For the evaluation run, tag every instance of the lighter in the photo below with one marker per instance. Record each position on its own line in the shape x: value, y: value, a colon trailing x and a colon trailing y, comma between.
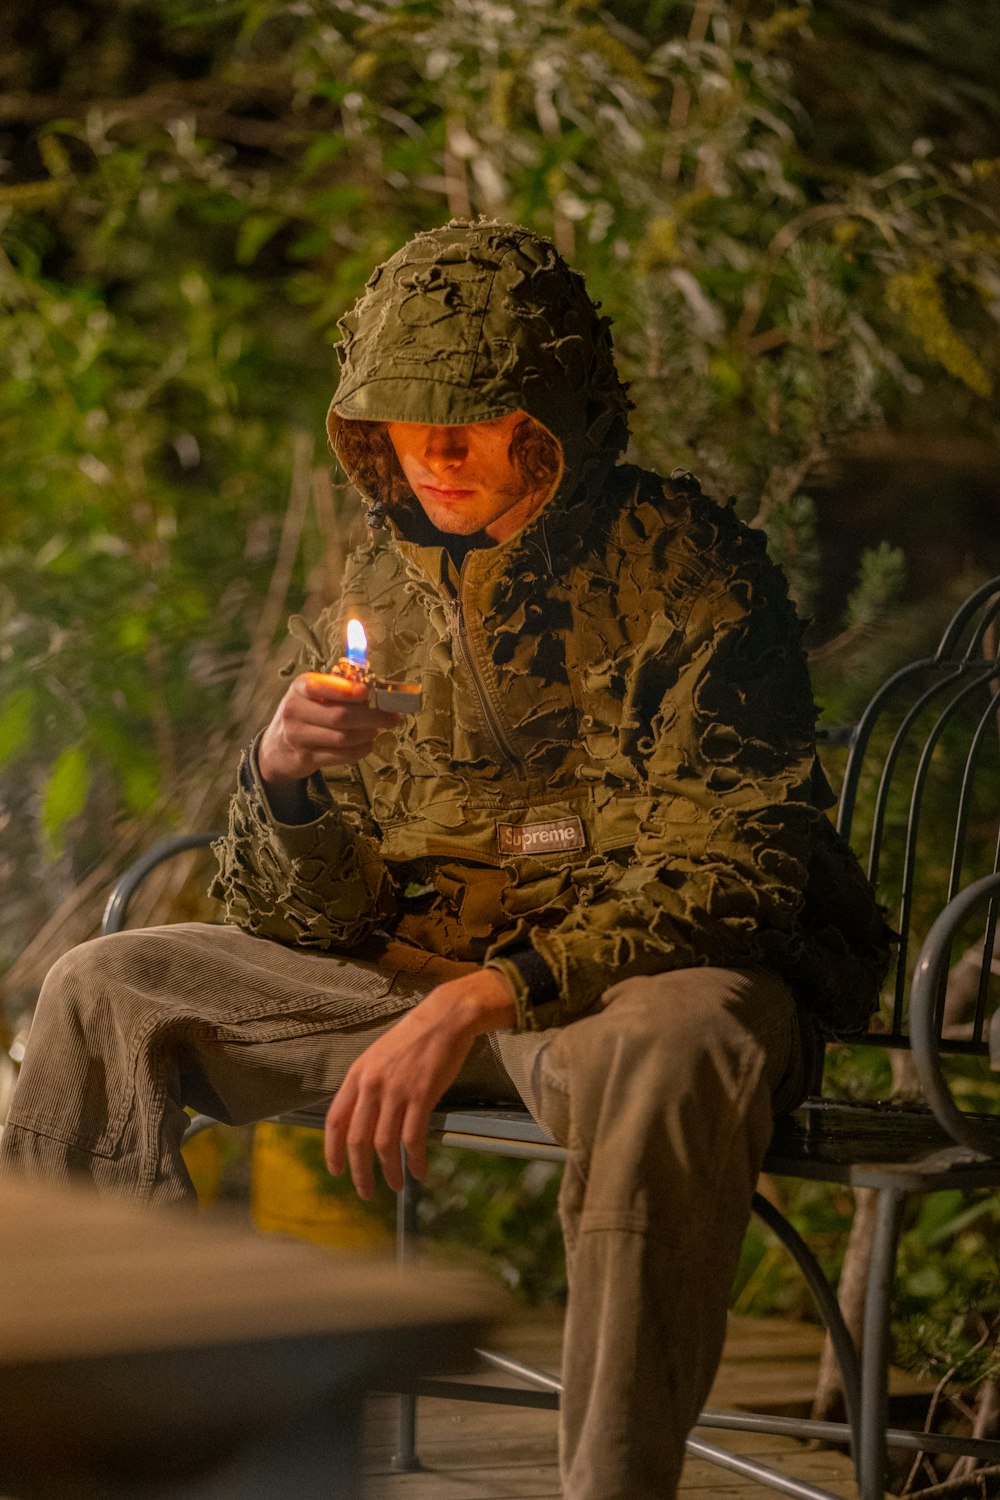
x: 391, y: 697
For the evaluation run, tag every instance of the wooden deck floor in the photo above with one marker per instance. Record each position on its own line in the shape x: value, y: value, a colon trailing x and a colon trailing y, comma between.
x: 473, y: 1451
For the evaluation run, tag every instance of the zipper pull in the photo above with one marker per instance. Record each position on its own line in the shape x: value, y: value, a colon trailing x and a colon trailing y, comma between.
x: 456, y: 620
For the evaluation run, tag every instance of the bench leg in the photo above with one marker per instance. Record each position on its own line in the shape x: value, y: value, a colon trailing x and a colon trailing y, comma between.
x: 405, y: 1455
x: 829, y: 1309
x: 871, y: 1457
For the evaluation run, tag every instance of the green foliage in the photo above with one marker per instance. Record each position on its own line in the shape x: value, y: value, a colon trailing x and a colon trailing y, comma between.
x: 500, y: 1211
x: 948, y: 1291
x: 790, y: 211
x: 918, y: 298
x: 880, y: 584
x: 794, y: 545
x: 65, y: 795
x: 16, y: 712
x: 175, y: 257
x: 507, y: 1209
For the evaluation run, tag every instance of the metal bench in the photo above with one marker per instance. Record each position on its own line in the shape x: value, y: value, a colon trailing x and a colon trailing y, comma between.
x: 919, y: 802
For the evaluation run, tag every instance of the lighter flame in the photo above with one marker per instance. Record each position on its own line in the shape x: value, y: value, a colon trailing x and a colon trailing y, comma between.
x: 357, y: 644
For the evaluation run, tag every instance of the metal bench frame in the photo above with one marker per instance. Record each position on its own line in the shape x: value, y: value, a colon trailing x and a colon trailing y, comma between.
x: 897, y: 1151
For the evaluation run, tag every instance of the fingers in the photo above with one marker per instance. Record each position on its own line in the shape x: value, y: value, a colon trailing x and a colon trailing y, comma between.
x: 413, y: 1135
x: 320, y: 723
x: 364, y: 1122
x: 348, y: 1137
x: 330, y: 687
x: 359, y: 1146
x: 385, y: 1101
x: 330, y: 746
x: 335, y: 1132
x: 361, y: 1122
x: 335, y: 700
x: 322, y: 720
x: 374, y: 1125
x: 387, y: 1142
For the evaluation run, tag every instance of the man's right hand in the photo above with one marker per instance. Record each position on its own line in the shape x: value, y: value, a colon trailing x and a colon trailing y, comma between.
x: 323, y: 720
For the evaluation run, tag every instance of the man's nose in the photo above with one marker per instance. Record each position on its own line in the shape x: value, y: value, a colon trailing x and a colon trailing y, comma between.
x: 445, y: 446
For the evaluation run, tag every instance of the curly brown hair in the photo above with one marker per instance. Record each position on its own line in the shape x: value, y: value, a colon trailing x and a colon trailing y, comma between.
x: 366, y: 452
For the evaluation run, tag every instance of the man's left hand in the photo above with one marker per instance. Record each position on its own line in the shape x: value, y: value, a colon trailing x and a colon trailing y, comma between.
x: 386, y: 1099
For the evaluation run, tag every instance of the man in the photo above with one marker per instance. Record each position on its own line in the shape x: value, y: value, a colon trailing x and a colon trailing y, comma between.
x: 593, y: 870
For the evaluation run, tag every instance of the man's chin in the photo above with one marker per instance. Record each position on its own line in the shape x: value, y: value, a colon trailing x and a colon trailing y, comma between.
x: 452, y: 522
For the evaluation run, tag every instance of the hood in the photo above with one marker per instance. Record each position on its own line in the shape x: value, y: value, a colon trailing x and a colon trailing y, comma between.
x: 470, y: 322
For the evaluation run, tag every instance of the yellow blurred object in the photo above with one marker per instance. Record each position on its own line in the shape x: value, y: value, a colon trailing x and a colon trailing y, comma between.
x: 203, y: 1157
x: 289, y: 1193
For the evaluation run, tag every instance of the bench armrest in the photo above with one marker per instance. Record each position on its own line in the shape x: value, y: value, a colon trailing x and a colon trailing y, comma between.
x: 116, y: 911
x: 929, y: 977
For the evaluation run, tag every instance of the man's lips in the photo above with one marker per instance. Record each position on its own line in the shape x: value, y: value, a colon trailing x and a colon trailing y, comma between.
x: 447, y: 493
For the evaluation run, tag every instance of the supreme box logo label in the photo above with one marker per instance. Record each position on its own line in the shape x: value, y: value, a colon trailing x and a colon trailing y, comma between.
x: 540, y: 838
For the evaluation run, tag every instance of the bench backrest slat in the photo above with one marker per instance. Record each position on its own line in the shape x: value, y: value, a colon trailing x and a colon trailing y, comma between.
x: 921, y: 795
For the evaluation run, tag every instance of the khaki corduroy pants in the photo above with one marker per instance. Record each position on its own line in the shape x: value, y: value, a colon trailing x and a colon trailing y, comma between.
x: 664, y: 1096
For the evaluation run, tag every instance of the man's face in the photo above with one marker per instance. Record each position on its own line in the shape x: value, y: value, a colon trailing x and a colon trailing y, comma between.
x: 463, y: 476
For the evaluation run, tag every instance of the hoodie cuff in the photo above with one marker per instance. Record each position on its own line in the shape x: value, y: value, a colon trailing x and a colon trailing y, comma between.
x: 534, y: 984
x: 316, y: 794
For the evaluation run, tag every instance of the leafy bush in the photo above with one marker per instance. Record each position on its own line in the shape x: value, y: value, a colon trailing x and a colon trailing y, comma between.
x: 790, y: 212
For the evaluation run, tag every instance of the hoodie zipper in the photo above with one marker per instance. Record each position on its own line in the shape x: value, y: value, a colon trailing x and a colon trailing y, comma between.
x: 490, y: 711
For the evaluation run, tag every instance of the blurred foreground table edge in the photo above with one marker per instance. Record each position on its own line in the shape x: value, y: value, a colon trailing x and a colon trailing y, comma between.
x: 147, y: 1353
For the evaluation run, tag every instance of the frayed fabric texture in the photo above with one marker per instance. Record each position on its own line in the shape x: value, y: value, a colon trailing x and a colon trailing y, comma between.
x: 650, y: 684
x: 627, y: 665
x: 471, y: 321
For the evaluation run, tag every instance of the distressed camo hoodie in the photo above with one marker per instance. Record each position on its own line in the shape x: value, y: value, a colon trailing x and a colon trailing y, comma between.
x: 613, y: 771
